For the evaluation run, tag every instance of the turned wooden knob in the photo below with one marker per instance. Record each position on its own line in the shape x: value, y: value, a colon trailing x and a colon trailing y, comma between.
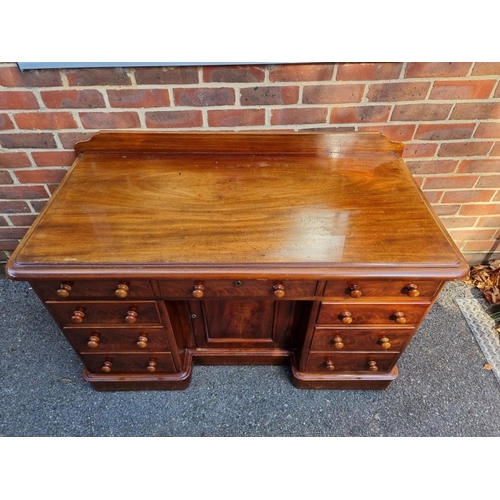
x: 131, y: 316
x: 329, y: 365
x: 198, y: 291
x: 78, y: 315
x: 279, y: 291
x: 385, y: 343
x: 354, y: 291
x: 346, y: 317
x: 93, y: 340
x: 121, y: 290
x: 337, y: 341
x: 412, y: 290
x: 372, y: 366
x: 151, y: 366
x: 106, y: 367
x: 142, y: 342
x: 64, y: 290
x: 399, y: 318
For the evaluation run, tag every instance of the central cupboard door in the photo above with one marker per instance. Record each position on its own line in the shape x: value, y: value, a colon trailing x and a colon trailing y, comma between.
x: 242, y: 323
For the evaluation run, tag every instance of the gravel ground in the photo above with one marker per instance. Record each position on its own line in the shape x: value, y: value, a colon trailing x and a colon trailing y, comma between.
x: 442, y: 390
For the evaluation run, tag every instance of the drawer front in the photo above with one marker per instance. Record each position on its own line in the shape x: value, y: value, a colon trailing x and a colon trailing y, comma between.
x: 104, y: 313
x: 392, y: 289
x: 112, y: 289
x: 328, y: 362
x: 348, y: 313
x: 129, y: 363
x: 348, y: 339
x: 237, y: 288
x: 118, y: 339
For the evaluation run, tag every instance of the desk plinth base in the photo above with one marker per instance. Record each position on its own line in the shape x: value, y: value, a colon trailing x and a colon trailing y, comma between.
x: 358, y: 381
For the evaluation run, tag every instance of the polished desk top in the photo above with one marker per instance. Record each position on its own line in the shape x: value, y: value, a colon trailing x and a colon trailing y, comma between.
x: 295, y: 203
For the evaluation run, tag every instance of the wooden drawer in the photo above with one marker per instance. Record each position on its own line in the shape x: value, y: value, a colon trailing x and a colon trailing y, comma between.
x: 104, y: 313
x: 348, y: 313
x: 368, y: 339
x: 237, y: 288
x: 129, y: 363
x: 329, y: 362
x: 116, y: 289
x: 391, y: 289
x: 118, y: 339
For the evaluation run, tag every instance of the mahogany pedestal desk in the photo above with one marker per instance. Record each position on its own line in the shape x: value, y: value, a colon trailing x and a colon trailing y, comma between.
x: 160, y: 250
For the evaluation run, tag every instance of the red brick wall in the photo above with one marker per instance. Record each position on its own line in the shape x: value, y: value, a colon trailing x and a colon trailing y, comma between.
x: 446, y: 114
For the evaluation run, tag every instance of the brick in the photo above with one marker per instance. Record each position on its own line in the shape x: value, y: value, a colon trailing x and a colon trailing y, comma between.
x: 301, y: 72
x: 18, y: 99
x: 75, y: 98
x: 14, y: 160
x: 236, y: 117
x: 476, y: 111
x: 473, y: 166
x: 292, y: 116
x: 5, y: 177
x: 261, y: 96
x: 369, y: 71
x: 495, y: 151
x: 397, y: 91
x: 450, y: 181
x: 467, y: 148
x: 431, y: 166
x: 52, y: 188
x: 138, y: 98
x: 433, y: 196
x: 497, y: 91
x: 444, y: 131
x: 45, y: 121
x: 488, y: 130
x: 40, y: 175
x: 119, y: 119
x: 69, y: 139
x: 436, y: 69
x: 468, y: 196
x: 489, y: 181
x: 4, y: 256
x: 468, y: 89
x: 28, y: 140
x: 12, y: 76
x: 360, y: 114
x: 472, y: 234
x: 9, y: 244
x: 166, y: 75
x: 12, y: 232
x: 458, y: 222
x: 480, y: 246
x: 98, y: 76
x: 22, y: 192
x: 22, y: 220
x: 489, y: 222
x: 174, y: 119
x: 443, y: 210
x: 14, y: 207
x: 54, y: 158
x: 497, y: 197
x: 331, y: 94
x: 480, y: 209
x: 420, y: 112
x: 5, y: 122
x: 486, y: 68
x: 234, y: 74
x: 419, y: 181
x: 419, y: 149
x: 3, y: 221
x: 392, y: 132
x: 204, y: 97
x: 38, y: 205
